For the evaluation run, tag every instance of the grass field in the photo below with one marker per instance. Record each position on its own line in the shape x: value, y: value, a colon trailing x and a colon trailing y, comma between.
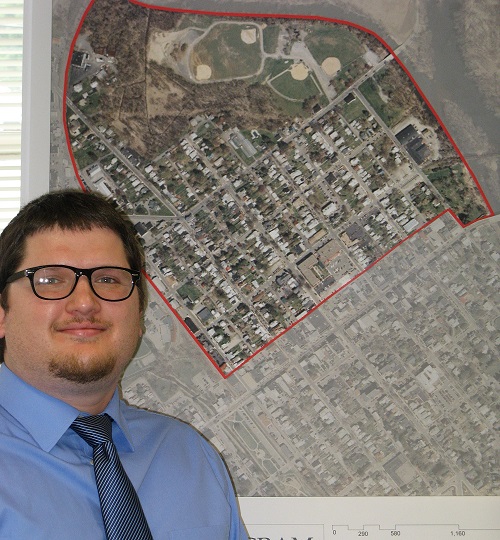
x: 324, y: 40
x: 195, y: 21
x: 273, y: 67
x: 353, y: 110
x: 390, y: 114
x: 298, y: 90
x: 188, y: 290
x: 227, y: 55
x: 270, y: 38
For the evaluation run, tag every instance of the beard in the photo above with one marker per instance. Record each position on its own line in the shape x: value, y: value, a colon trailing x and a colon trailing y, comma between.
x: 73, y: 369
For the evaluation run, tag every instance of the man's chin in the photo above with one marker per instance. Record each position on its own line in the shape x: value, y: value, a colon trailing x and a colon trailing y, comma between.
x: 75, y: 370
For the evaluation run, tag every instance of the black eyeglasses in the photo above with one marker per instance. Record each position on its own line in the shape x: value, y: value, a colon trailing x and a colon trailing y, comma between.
x: 58, y: 281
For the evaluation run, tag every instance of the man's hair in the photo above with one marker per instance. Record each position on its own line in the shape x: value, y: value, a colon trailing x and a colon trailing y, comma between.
x: 68, y: 210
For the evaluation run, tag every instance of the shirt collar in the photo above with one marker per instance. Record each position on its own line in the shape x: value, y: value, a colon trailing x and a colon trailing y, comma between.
x: 47, y: 418
x: 121, y: 436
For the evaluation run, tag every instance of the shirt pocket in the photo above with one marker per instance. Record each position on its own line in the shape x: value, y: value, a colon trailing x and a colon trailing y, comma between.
x: 214, y: 532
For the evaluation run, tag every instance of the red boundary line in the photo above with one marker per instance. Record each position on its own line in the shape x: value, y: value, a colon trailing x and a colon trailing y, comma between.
x: 278, y: 16
x: 65, y: 91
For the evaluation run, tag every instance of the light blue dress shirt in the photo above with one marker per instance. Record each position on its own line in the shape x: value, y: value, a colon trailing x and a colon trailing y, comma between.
x: 47, y: 483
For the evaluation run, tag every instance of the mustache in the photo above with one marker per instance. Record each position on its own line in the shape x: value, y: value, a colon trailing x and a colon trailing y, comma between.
x: 77, y: 321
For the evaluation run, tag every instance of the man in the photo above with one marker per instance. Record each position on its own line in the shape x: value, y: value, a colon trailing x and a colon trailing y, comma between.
x: 71, y: 306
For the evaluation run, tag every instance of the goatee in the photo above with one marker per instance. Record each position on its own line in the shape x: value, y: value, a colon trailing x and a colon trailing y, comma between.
x: 73, y: 369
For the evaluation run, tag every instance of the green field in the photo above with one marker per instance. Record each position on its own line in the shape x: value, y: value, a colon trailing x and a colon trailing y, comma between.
x: 297, y: 90
x: 227, y: 55
x: 325, y: 40
x: 194, y: 21
x: 86, y: 156
x: 273, y: 68
x: 352, y: 111
x: 301, y: 90
x: 289, y: 108
x: 270, y: 37
x: 188, y: 290
x: 389, y: 113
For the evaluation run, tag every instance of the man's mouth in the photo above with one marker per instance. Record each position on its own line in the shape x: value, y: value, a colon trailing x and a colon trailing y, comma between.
x: 81, y: 328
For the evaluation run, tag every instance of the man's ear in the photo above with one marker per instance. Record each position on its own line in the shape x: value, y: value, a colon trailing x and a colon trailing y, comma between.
x: 2, y: 319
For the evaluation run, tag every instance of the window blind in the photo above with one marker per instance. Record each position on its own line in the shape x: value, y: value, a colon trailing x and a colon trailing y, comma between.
x: 11, y: 54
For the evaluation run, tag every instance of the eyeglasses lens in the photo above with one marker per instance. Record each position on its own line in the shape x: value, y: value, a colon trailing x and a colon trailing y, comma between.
x: 56, y: 282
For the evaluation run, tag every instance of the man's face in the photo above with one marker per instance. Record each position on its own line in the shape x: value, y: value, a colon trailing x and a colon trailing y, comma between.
x: 79, y: 339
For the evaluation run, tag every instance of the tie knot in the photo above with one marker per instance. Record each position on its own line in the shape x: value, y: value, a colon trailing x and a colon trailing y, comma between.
x: 94, y: 430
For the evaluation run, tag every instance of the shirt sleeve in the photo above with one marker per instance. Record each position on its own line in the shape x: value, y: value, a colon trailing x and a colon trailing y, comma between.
x: 237, y: 529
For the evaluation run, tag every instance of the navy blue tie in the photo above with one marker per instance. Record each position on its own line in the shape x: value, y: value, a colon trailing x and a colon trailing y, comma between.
x: 120, y: 506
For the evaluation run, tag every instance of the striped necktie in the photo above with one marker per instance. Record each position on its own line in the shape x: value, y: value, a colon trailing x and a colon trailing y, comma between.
x: 120, y: 506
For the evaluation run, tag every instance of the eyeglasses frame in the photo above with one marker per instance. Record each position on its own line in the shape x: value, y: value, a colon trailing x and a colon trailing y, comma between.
x: 79, y: 272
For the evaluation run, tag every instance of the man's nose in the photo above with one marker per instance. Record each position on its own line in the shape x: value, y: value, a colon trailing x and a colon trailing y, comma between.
x: 83, y: 298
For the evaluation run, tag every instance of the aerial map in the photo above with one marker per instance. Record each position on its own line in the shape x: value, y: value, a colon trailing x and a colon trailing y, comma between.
x: 322, y: 255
